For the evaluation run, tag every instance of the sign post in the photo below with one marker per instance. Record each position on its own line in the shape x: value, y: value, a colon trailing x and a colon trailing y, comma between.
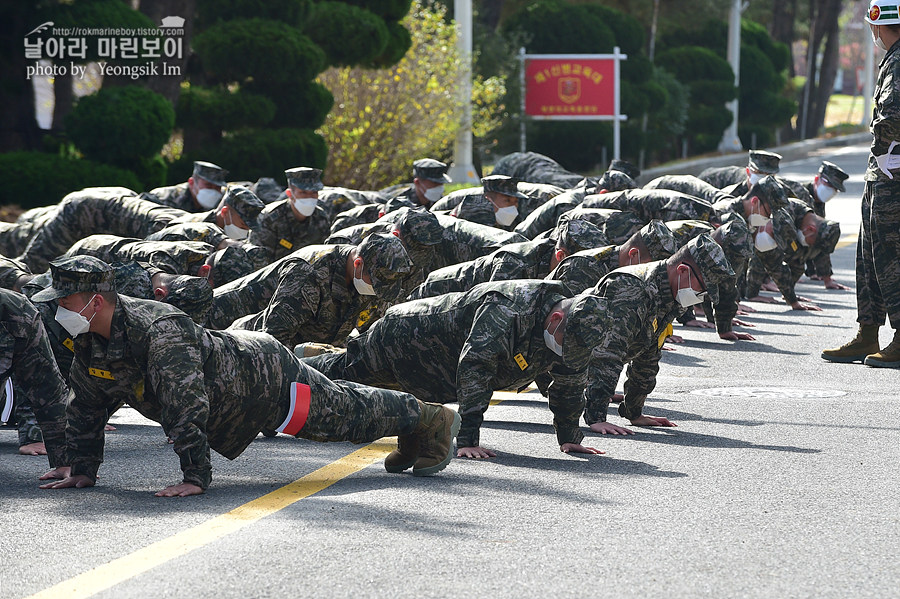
x: 572, y: 87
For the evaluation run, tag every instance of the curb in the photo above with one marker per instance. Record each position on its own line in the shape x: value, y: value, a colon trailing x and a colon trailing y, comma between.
x: 790, y: 151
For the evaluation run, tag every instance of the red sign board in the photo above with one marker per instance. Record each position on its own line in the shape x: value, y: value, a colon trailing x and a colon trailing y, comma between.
x: 570, y: 87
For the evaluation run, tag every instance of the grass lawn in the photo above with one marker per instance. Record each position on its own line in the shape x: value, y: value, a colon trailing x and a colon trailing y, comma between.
x: 843, y: 109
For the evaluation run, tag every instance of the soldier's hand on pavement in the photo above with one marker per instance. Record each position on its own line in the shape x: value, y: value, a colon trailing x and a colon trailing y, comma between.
x: 607, y: 428
x: 700, y: 324
x: 33, y: 449
x: 763, y: 299
x: 740, y: 323
x: 79, y: 481
x: 809, y: 307
x: 58, y: 473
x: 180, y: 490
x: 652, y: 421
x: 832, y: 284
x: 769, y: 286
x: 674, y: 339
x: 108, y: 428
x: 732, y: 336
x: 476, y: 452
x: 576, y: 448
x: 617, y: 398
x: 800, y: 298
x: 744, y: 310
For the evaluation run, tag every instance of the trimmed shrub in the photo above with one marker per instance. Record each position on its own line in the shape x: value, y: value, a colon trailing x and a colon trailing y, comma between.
x: 399, y: 43
x: 348, y: 34
x: 205, y: 108
x: 35, y: 179
x: 290, y: 12
x: 121, y: 125
x: 389, y: 10
x: 242, y: 49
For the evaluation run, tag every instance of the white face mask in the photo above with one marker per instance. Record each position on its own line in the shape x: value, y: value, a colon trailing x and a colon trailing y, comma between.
x: 754, y: 177
x: 757, y: 219
x: 74, y: 322
x: 235, y: 232
x: 764, y: 242
x: 506, y: 216
x: 686, y: 296
x: 209, y: 198
x: 825, y: 192
x: 362, y: 287
x: 801, y: 239
x: 433, y: 194
x: 551, y: 342
x: 306, y: 206
x: 878, y: 41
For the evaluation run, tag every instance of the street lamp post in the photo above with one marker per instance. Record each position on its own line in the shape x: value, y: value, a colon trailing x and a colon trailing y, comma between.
x: 730, y: 140
x: 463, y: 170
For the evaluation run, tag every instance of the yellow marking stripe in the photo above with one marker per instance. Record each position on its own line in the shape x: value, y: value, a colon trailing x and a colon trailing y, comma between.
x: 128, y: 566
x: 847, y: 240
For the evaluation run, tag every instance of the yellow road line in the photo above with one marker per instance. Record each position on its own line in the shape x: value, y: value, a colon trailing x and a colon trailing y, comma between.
x: 128, y: 566
x: 847, y: 240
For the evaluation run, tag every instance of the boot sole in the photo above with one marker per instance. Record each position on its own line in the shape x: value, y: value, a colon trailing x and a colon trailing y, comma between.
x: 844, y: 359
x: 400, y: 467
x: 876, y: 363
x: 454, y: 429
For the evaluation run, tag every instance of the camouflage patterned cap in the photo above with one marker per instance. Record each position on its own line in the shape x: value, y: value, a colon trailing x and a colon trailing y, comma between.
x: 208, y: 171
x: 502, y: 184
x: 736, y: 240
x: 77, y: 274
x: 575, y: 235
x: 624, y: 166
x: 833, y: 175
x: 714, y: 267
x: 770, y: 191
x: 191, y: 295
x: 431, y: 170
x: 685, y: 230
x: 621, y: 225
x: 829, y: 235
x: 267, y: 189
x: 659, y: 239
x: 585, y: 327
x: 229, y: 264
x: 615, y: 181
x: 305, y: 178
x: 418, y: 226
x: 133, y: 279
x: 784, y: 231
x: 386, y: 261
x: 245, y: 203
x: 477, y: 209
x: 764, y: 162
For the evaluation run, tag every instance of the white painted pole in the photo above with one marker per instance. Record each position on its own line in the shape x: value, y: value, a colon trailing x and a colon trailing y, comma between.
x: 730, y: 140
x: 463, y: 170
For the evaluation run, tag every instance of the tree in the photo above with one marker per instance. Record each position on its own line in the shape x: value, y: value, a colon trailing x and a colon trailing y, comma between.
x: 252, y: 103
x: 383, y: 120
x: 824, y: 39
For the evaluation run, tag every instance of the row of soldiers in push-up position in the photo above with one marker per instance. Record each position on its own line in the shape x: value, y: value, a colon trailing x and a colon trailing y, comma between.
x: 331, y: 314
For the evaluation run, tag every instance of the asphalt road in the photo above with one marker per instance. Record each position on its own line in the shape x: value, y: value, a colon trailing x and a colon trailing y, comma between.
x: 780, y: 481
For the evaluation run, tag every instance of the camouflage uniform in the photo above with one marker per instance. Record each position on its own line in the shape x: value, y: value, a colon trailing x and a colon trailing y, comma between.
x: 477, y: 208
x: 463, y: 241
x: 358, y: 215
x: 26, y: 356
x: 662, y: 204
x: 281, y: 233
x: 95, y: 210
x: 179, y: 196
x: 582, y: 270
x: 723, y: 176
x: 546, y: 216
x: 175, y: 257
x: 305, y: 296
x: 14, y: 237
x: 528, y: 260
x: 460, y: 347
x: 206, y: 232
x: 427, y: 169
x: 639, y: 306
x: 689, y: 185
x: 337, y: 200
x: 536, y: 168
x: 616, y: 225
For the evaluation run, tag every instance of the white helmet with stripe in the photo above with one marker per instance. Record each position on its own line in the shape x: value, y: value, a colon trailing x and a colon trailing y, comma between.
x: 883, y: 12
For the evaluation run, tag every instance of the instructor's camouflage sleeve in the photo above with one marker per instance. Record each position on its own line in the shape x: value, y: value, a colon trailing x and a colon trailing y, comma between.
x: 25, y: 355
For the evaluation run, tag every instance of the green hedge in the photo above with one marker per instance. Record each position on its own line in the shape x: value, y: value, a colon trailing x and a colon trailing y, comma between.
x: 121, y: 125
x: 348, y: 34
x: 33, y: 179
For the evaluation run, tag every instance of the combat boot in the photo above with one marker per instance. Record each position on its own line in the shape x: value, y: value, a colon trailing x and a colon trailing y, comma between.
x: 404, y: 456
x: 437, y: 427
x: 888, y: 357
x: 864, y: 344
